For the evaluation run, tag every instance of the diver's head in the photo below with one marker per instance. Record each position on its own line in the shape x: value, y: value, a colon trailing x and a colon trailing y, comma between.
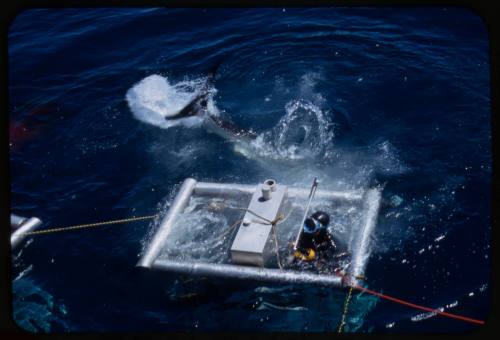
x: 318, y: 220
x: 322, y: 217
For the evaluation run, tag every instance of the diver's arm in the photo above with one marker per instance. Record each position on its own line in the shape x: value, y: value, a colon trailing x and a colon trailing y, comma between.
x: 331, y: 240
x: 325, y: 241
x: 340, y: 249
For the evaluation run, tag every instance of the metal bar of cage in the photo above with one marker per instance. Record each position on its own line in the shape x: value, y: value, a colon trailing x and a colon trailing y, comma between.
x: 178, y: 205
x: 246, y: 273
x: 360, y: 257
x: 230, y: 189
x: 16, y: 221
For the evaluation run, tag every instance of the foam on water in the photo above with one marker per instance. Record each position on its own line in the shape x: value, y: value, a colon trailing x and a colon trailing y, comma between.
x: 267, y: 305
x: 303, y: 132
x: 202, y: 233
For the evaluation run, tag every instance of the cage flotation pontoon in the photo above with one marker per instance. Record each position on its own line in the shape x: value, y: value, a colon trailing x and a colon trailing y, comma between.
x: 252, y: 250
x: 20, y: 227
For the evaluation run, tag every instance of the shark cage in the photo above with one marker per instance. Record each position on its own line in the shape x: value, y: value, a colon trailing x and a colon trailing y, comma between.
x: 249, y: 232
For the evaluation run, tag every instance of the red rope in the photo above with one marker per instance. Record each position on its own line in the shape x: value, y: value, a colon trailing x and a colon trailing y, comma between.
x: 437, y: 311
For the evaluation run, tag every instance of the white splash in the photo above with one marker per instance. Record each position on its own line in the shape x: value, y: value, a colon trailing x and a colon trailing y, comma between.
x: 154, y: 98
x: 24, y: 272
x: 266, y: 305
x: 303, y: 132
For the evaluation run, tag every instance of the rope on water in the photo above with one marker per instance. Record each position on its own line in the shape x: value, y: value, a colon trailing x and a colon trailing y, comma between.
x: 275, y: 234
x: 278, y: 220
x: 230, y: 228
x: 251, y: 212
x: 427, y: 309
x: 401, y: 302
x: 346, y: 309
x: 90, y: 225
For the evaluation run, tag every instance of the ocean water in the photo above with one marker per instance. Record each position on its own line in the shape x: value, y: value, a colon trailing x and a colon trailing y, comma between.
x: 396, y: 97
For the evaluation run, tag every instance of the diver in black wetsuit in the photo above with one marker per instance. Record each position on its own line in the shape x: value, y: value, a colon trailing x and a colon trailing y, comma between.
x: 317, y: 248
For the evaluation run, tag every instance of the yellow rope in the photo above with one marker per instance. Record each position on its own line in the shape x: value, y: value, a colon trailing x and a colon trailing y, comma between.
x: 346, y: 307
x: 275, y: 234
x: 282, y: 220
x: 230, y: 228
x: 90, y: 225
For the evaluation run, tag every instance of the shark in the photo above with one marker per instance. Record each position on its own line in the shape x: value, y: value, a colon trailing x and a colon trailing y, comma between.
x: 216, y: 124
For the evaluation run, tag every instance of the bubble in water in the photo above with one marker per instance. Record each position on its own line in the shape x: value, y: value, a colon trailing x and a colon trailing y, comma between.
x: 396, y: 200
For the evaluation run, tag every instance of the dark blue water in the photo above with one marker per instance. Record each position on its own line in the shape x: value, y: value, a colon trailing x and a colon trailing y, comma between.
x: 397, y: 97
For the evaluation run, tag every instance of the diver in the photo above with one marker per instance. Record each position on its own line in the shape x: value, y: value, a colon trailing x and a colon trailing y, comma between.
x: 317, y: 248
